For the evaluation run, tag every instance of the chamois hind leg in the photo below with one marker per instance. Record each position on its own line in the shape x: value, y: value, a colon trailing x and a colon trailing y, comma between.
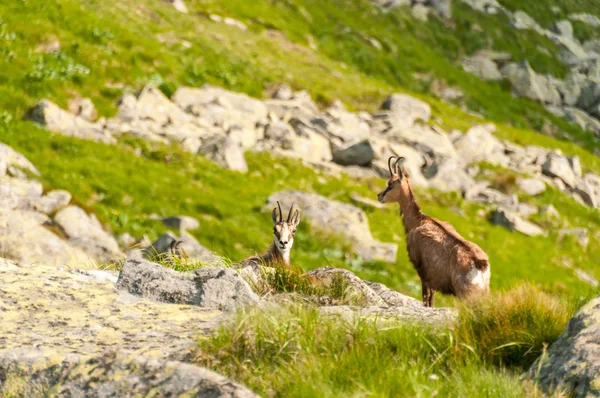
x: 425, y: 291
x: 431, y: 296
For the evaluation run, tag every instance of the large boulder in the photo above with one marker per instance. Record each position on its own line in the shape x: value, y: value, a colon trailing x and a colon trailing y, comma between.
x: 353, y: 285
x: 224, y: 152
x: 479, y: 144
x: 40, y: 373
x: 563, y: 28
x: 13, y: 159
x: 52, y: 117
x: 572, y: 363
x: 449, y: 175
x: 52, y: 201
x: 19, y: 193
x: 340, y: 218
x: 481, y: 66
x: 219, y: 288
x: 513, y: 222
x: 431, y: 141
x: 85, y: 232
x: 358, y: 154
x: 221, y: 107
x: 24, y: 238
x: 395, y: 314
x: 527, y: 83
x: 559, y: 166
x: 403, y: 110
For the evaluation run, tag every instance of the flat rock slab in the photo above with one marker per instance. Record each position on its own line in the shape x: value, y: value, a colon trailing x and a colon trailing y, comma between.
x: 572, y: 363
x: 412, y: 314
x: 42, y: 373
x: 82, y: 312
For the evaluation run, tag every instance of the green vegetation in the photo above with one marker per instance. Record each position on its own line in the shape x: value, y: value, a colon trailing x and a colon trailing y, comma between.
x: 300, y: 353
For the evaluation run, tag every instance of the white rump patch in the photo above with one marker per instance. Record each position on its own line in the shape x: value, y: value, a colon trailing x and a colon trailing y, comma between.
x: 478, y: 278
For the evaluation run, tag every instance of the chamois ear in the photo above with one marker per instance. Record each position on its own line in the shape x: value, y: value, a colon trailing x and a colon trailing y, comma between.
x: 398, y: 169
x: 296, y: 219
x: 274, y: 216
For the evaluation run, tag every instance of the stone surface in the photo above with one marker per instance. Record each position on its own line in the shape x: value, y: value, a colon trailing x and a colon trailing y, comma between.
x: 353, y: 285
x: 84, y: 108
x: 481, y: 66
x: 527, y: 83
x: 41, y: 373
x: 183, y: 223
x: 406, y: 110
x: 24, y: 238
x: 219, y: 288
x: 12, y: 158
x: 82, y: 312
x: 58, y: 120
x: 179, y: 5
x: 223, y: 151
x: 340, y: 218
x: 359, y: 154
x: 559, y: 166
x: 531, y: 186
x: 572, y: 363
x: 479, y: 144
x: 86, y: 232
x: 425, y: 315
x: 513, y: 222
x: 52, y: 201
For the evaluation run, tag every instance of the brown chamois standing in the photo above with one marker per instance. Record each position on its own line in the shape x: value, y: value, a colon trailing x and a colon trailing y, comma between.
x: 444, y: 260
x: 283, y: 240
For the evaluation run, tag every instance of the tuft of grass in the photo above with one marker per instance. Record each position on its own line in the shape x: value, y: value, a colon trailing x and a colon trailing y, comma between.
x: 298, y: 352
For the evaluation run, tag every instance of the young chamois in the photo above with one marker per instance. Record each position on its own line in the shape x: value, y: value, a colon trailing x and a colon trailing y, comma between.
x: 444, y: 260
x: 283, y: 240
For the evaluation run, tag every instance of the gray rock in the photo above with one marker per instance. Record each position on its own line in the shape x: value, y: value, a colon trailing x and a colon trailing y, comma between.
x: 340, y: 218
x: 512, y: 221
x: 572, y: 363
x: 84, y: 108
x: 557, y: 165
x: 422, y: 315
x: 87, y: 233
x: 353, y: 285
x: 44, y: 373
x: 487, y: 6
x: 563, y: 28
x: 481, y: 66
x: 182, y: 223
x: 588, y: 19
x: 571, y: 51
x: 413, y: 163
x: 23, y: 238
x: 442, y: 7
x: 590, y: 99
x: 160, y: 246
x: 449, y: 176
x: 584, y: 120
x: 404, y: 110
x: 195, y: 252
x: 420, y: 12
x: 359, y: 154
x: 19, y: 193
x: 12, y: 158
x: 432, y: 142
x: 220, y: 288
x: 223, y: 151
x: 283, y: 92
x: 179, y: 5
x: 522, y: 20
x: 479, y: 144
x: 60, y: 121
x: 531, y: 186
x: 392, y: 297
x: 526, y: 210
x: 527, y: 83
x: 52, y: 201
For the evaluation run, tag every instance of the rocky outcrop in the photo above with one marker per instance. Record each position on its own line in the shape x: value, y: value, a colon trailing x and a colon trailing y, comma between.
x: 341, y: 218
x: 41, y: 373
x: 220, y: 288
x: 422, y: 315
x: 513, y: 222
x: 572, y: 363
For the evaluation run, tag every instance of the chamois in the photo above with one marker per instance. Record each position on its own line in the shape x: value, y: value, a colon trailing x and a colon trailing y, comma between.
x: 444, y: 260
x: 283, y: 240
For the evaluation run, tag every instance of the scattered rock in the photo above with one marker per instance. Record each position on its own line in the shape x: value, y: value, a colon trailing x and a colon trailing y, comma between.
x: 588, y: 19
x: 481, y: 66
x: 513, y: 222
x: 52, y: 201
x: 527, y: 83
x: 571, y: 363
x: 84, y: 108
x: 531, y: 186
x: 479, y: 144
x: 179, y: 5
x: 557, y: 165
x: 87, y: 233
x: 344, y: 279
x: 563, y: 28
x: 38, y: 373
x: 182, y: 223
x: 220, y: 288
x: 12, y: 158
x: 359, y: 154
x: 53, y: 118
x: 549, y: 211
x: 405, y: 110
x: 580, y: 235
x: 223, y: 151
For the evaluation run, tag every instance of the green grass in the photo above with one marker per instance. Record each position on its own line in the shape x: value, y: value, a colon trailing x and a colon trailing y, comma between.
x: 299, y: 353
x: 541, y: 10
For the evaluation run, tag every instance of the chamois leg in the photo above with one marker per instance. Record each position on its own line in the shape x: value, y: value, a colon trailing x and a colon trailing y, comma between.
x: 425, y: 292
x: 431, y: 296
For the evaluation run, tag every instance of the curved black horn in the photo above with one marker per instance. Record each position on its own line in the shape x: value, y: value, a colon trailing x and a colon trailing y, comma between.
x: 280, y: 213
x: 400, y: 159
x: 290, y: 213
x: 390, y: 165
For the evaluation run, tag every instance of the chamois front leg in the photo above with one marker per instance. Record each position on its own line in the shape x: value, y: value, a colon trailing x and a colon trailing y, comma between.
x: 425, y: 292
x: 431, y: 296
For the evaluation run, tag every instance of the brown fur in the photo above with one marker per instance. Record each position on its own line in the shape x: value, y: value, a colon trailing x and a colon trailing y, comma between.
x: 440, y: 255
